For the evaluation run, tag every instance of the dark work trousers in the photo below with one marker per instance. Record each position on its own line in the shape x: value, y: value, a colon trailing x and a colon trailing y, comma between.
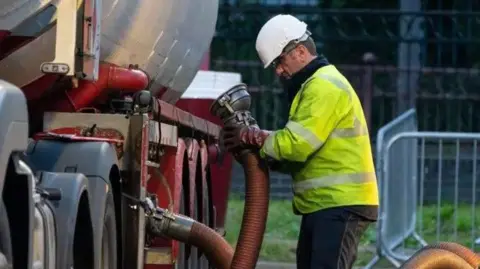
x: 329, y: 238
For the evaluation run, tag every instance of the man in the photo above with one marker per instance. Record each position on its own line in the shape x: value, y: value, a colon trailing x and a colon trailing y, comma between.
x: 325, y: 146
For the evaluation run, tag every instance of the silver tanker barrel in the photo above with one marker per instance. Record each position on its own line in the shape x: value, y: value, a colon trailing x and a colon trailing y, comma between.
x: 167, y: 39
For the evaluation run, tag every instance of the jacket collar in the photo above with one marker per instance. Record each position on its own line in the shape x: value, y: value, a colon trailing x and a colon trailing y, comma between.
x: 293, y: 85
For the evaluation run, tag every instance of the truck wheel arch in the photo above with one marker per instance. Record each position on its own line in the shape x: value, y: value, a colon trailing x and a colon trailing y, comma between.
x: 98, y: 162
x: 73, y: 218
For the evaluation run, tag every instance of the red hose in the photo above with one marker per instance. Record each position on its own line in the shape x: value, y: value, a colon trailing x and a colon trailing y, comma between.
x: 109, y: 77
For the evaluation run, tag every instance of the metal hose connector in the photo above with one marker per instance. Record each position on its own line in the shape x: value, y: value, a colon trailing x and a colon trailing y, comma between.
x: 184, y: 229
x: 233, y: 108
x: 215, y: 247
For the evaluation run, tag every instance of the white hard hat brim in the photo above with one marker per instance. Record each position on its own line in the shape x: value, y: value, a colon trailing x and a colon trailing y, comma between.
x: 276, y: 34
x: 302, y: 38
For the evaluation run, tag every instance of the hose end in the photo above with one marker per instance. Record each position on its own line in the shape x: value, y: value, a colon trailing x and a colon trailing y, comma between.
x: 163, y: 223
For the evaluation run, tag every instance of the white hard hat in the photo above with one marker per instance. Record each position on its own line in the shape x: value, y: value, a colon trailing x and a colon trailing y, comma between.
x: 275, y: 34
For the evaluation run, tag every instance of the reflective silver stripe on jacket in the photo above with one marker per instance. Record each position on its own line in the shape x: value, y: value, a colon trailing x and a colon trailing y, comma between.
x: 335, y: 81
x: 269, y: 148
x: 306, y: 134
x: 298, y: 129
x: 358, y: 130
x: 327, y: 181
x: 332, y: 79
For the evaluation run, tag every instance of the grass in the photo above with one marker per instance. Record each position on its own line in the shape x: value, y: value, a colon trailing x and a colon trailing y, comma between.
x: 281, y: 233
x: 283, y: 227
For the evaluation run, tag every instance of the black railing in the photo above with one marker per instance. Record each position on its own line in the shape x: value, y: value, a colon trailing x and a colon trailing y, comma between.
x: 394, y: 59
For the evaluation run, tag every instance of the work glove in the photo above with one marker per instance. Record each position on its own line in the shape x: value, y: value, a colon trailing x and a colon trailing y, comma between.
x: 238, y: 136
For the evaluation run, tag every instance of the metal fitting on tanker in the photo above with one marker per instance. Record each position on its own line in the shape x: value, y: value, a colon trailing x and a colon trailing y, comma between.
x: 163, y: 223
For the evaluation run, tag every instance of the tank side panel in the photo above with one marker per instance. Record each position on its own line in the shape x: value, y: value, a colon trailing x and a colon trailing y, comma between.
x: 192, y: 150
x: 205, y: 88
x: 206, y: 61
x: 220, y: 174
x: 168, y: 39
x: 22, y: 66
x: 166, y: 183
x: 13, y: 12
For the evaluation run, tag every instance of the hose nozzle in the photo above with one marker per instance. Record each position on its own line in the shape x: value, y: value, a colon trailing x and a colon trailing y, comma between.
x: 165, y: 223
x: 233, y: 106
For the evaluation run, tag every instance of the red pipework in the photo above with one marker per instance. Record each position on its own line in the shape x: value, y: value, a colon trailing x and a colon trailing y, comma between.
x: 110, y: 77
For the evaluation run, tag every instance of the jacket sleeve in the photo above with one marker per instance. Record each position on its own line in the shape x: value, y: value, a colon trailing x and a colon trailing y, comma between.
x: 321, y: 106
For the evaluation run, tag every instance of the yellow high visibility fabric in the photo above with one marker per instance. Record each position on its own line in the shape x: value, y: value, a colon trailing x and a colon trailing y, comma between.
x: 326, y: 139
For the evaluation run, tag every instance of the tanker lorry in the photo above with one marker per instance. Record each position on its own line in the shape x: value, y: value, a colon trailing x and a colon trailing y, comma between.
x: 110, y: 149
x: 109, y: 155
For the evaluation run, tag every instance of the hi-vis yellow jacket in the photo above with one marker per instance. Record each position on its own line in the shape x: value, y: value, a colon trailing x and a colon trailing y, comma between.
x: 326, y: 139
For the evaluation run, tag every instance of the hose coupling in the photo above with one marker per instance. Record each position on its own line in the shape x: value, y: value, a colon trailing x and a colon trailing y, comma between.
x: 163, y: 223
x: 233, y: 108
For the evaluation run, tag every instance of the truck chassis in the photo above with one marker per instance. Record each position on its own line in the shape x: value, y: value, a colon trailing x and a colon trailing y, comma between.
x: 70, y: 192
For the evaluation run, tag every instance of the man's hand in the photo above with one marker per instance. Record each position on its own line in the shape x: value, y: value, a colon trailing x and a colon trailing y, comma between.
x: 242, y: 136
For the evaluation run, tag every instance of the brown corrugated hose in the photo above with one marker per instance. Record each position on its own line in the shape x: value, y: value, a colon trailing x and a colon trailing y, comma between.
x: 217, y: 250
x: 257, y: 189
x: 436, y: 259
x: 468, y: 255
x: 443, y: 255
x: 215, y: 247
x: 185, y: 229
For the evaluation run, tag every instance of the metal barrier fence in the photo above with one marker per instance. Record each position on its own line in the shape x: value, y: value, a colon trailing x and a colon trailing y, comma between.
x: 428, y: 188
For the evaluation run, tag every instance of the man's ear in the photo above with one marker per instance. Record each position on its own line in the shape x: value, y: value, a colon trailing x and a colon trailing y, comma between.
x: 302, y: 51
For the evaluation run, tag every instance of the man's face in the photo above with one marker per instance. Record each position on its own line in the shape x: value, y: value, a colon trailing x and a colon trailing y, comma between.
x: 290, y: 62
